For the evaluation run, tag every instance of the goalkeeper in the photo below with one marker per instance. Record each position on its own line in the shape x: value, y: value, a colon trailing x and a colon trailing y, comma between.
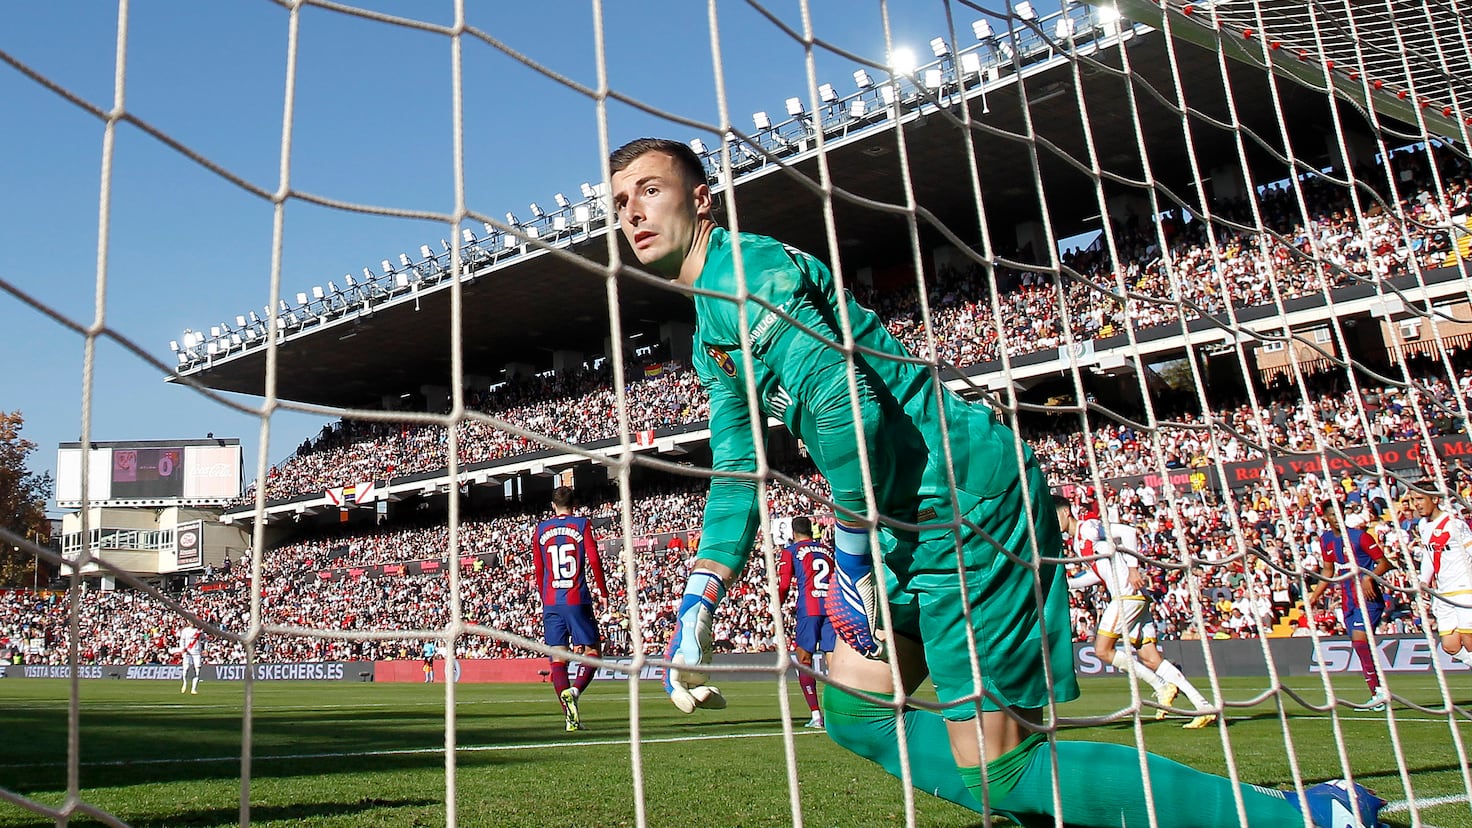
x: 1018, y: 613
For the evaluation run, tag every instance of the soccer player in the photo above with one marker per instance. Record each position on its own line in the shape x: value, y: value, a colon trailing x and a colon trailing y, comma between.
x: 428, y: 651
x: 1446, y: 566
x: 191, y: 651
x: 1346, y: 551
x: 1110, y: 550
x: 807, y: 562
x: 565, y: 561
x: 959, y: 507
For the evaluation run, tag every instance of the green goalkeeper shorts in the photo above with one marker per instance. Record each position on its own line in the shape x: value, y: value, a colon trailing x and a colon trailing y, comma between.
x: 1014, y: 609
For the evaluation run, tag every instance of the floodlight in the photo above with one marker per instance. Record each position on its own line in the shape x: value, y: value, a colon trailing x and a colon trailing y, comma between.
x: 388, y: 269
x: 174, y: 345
x: 235, y: 340
x: 467, y: 236
x: 511, y: 219
x: 886, y: 93
x: 902, y: 61
x: 1025, y: 10
x: 1107, y: 15
x: 183, y: 357
x: 581, y: 214
x: 367, y: 275
x: 255, y: 320
x: 318, y: 293
x: 401, y: 280
x: 932, y: 79
x: 698, y: 146
x: 537, y: 211
x: 857, y: 108
x: 239, y: 321
x: 761, y: 120
x: 982, y: 29
x: 332, y: 287
x: 1064, y: 29
x: 509, y: 242
x: 445, y: 243
x: 352, y: 285
x: 301, y: 298
x: 827, y: 94
x: 794, y: 106
x: 404, y: 260
x: 561, y: 200
x: 559, y: 223
x: 425, y: 252
x: 862, y: 79
x: 214, y: 332
x: 971, y: 63
x: 213, y: 348
x: 588, y: 191
x: 280, y: 323
x: 938, y: 47
x: 532, y: 231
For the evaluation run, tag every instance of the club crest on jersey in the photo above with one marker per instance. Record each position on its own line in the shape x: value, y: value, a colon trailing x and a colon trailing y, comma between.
x: 722, y: 359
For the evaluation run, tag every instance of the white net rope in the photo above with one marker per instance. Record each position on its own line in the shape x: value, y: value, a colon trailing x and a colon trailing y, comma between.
x: 1272, y: 268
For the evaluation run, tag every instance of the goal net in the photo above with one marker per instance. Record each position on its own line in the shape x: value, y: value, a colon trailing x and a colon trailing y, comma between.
x: 1208, y: 260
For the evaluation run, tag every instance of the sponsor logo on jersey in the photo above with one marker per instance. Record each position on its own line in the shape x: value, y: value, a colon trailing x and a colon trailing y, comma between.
x: 778, y: 400
x: 723, y: 359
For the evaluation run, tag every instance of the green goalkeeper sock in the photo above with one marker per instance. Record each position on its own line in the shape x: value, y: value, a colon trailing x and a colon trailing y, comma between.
x: 1103, y: 788
x: 868, y: 729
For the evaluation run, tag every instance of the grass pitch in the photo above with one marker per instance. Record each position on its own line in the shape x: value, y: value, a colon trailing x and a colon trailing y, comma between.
x: 338, y: 754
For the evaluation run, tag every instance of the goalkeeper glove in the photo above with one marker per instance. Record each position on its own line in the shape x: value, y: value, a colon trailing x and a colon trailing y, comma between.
x: 690, y: 644
x: 852, y: 604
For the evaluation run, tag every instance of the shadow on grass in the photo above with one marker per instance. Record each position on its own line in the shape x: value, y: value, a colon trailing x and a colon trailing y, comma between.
x: 313, y: 744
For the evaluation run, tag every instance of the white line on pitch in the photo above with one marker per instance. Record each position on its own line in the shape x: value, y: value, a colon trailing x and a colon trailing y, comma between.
x: 1427, y: 802
x: 291, y: 757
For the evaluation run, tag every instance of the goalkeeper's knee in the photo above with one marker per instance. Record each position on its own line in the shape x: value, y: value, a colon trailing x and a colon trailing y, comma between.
x: 868, y: 729
x: 859, y: 725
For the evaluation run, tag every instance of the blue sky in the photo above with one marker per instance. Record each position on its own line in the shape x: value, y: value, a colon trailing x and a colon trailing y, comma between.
x: 372, y: 124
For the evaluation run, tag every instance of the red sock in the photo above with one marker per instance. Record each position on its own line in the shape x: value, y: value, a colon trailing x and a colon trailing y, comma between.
x: 585, y: 677
x: 1367, y: 665
x: 559, y: 678
x: 809, y: 687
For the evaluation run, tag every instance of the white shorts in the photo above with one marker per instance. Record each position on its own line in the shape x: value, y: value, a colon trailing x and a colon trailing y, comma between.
x: 1129, y: 618
x: 1451, y: 618
x: 195, y: 659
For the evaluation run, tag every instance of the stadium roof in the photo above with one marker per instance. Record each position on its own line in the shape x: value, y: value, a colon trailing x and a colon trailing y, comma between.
x: 1409, y: 54
x: 520, y: 307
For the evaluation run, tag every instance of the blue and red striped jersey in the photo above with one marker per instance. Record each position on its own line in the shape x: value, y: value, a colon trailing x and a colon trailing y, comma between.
x: 810, y: 563
x: 565, y: 560
x: 1366, y: 553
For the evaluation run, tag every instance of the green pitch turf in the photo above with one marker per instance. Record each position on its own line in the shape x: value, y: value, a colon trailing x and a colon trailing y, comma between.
x: 372, y: 754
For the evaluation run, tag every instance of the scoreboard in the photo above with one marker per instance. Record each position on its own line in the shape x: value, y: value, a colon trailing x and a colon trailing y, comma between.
x: 149, y: 472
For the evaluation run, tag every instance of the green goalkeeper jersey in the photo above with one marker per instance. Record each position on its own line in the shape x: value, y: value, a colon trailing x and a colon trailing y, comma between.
x: 804, y: 382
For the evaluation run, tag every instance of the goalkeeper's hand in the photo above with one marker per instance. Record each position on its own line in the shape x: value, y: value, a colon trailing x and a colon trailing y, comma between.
x: 852, y: 602
x: 690, y: 645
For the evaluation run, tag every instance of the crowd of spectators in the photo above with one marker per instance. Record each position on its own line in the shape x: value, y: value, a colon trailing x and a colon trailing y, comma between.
x: 572, y: 406
x: 1246, y: 577
x: 1285, y: 422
